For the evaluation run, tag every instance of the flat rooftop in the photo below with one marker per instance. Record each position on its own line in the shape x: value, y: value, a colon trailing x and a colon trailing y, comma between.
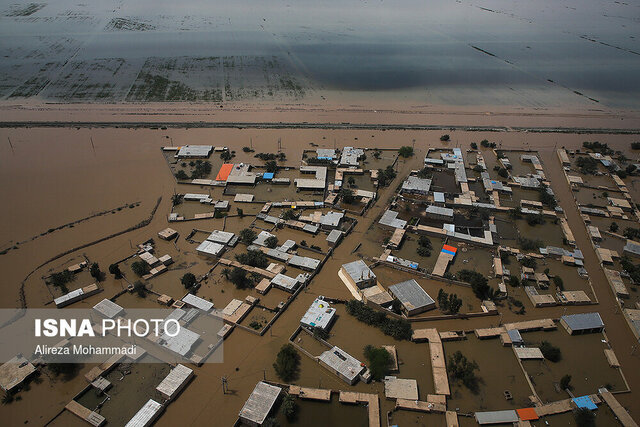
x: 342, y: 362
x: 411, y: 295
x: 260, y: 402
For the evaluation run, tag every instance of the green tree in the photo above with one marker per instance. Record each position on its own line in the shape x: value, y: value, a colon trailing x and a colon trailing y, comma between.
x: 347, y: 196
x: 462, y: 369
x: 379, y: 361
x: 253, y: 258
x: 247, y: 236
x: 503, y: 173
x: 550, y: 352
x: 240, y: 212
x: 140, y: 289
x: 289, y: 214
x: 271, y: 166
x: 239, y: 278
x: 474, y: 146
x: 351, y: 181
x: 479, y: 283
x: 565, y: 382
x: 95, y: 272
x: 287, y: 363
x: 271, y: 242
x: 115, y: 270
x: 455, y: 304
x: 226, y: 155
x: 614, y: 227
x: 445, y: 138
x: 557, y: 280
x: 176, y: 199
x: 584, y: 417
x: 423, y: 251
x: 289, y: 407
x: 182, y: 175
x: 140, y: 268
x: 405, y: 151
x: 188, y: 280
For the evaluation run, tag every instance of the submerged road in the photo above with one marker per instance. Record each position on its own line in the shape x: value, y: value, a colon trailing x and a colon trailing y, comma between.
x: 620, y: 336
x: 311, y: 125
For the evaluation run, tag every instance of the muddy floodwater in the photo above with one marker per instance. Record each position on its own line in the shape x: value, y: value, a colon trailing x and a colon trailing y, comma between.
x: 55, y: 177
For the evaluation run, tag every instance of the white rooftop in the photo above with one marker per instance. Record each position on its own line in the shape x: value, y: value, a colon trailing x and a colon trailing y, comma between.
x: 319, y: 315
x: 108, y: 308
x: 197, y: 302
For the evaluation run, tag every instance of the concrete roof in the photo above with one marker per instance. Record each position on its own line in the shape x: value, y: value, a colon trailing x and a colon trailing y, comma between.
x: 108, y: 308
x: 411, y: 294
x: 195, y: 151
x: 358, y: 270
x: 497, y: 417
x: 197, y: 302
x: 210, y: 248
x: 304, y: 262
x: 413, y: 183
x: 14, y: 372
x: 260, y: 402
x: 319, y: 315
x: 285, y: 281
x: 173, y: 382
x: 400, y: 388
x: 222, y: 237
x: 334, y: 236
x: 342, y: 362
x: 389, y: 218
x: 438, y: 210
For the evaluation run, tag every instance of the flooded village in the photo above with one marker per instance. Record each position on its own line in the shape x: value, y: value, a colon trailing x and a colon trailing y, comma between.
x: 437, y: 282
x: 342, y: 214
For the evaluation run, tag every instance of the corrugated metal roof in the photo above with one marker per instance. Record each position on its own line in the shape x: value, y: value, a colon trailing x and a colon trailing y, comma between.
x: 260, y: 402
x: 583, y: 321
x: 411, y: 295
x: 497, y: 417
x: 145, y: 415
x: 359, y: 271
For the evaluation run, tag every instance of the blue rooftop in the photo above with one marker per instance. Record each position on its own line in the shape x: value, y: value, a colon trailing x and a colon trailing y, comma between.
x: 267, y: 175
x: 584, y: 402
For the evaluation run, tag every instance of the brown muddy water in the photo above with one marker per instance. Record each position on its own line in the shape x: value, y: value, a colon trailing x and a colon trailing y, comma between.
x: 54, y: 176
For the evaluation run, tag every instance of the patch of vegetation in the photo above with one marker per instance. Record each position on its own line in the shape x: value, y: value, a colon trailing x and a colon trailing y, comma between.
x: 386, y: 176
x: 379, y: 361
x: 271, y: 242
x: 399, y: 329
x: 478, y: 282
x: 550, y: 352
x: 631, y: 268
x: 226, y: 155
x: 503, y: 173
x: 60, y: 279
x: 424, y: 246
x: 631, y: 233
x: 247, y: 236
x: 598, y: 147
x: 287, y: 363
x: 449, y: 303
x: 248, y: 149
x: 546, y: 198
x: 202, y: 169
x: 462, y: 369
x: 140, y: 289
x: 271, y: 166
x: 253, y: 258
x: 635, y: 145
x: 424, y: 173
x: 529, y: 262
x: 588, y: 165
x: 513, y: 281
x: 347, y: 196
x: 140, y: 268
x: 289, y: 407
x: 289, y: 214
x: 115, y: 270
x: 584, y: 417
x: 182, y: 175
x: 96, y: 273
x: 614, y: 227
x: 405, y: 151
x: 474, y: 146
x: 565, y: 382
x: 445, y: 138
x: 557, y: 280
x: 188, y: 280
x: 534, y: 219
x: 530, y: 244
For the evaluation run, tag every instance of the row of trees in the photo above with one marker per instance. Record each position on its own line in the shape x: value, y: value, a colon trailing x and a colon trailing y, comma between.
x: 479, y: 283
x: 449, y: 303
x: 399, y: 329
